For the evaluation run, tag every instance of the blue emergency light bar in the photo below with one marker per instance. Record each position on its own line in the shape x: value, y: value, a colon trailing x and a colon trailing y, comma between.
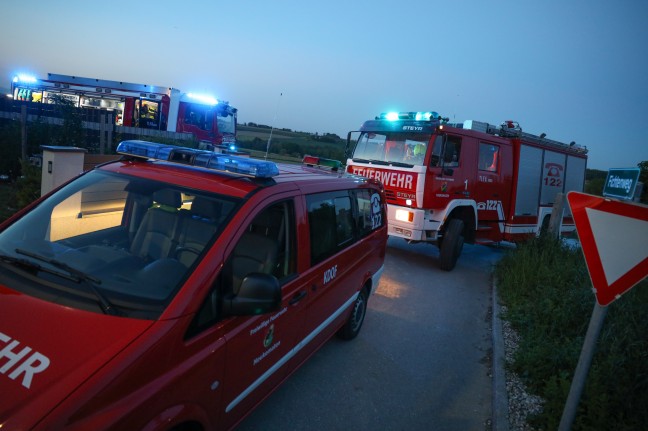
x: 416, y: 116
x: 25, y: 79
x: 203, y: 98
x: 200, y: 158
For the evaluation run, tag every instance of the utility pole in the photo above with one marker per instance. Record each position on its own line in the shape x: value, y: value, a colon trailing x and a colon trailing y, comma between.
x: 272, y: 127
x: 23, y: 131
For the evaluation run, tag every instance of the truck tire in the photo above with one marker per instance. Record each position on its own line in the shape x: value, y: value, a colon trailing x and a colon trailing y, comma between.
x: 452, y: 244
x: 352, y: 327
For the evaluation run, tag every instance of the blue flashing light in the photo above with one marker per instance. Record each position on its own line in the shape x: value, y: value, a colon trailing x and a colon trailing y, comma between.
x: 416, y: 116
x: 201, y: 158
x: 25, y: 79
x: 146, y: 149
x: 203, y: 98
x: 426, y: 116
x: 232, y: 147
x: 243, y: 165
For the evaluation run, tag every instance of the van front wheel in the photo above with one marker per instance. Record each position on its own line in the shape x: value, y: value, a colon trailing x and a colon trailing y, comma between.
x: 452, y: 244
x: 352, y: 327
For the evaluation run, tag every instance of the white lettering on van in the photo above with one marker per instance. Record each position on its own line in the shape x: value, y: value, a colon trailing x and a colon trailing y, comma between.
x: 269, y: 320
x: 376, y: 211
x: 330, y: 274
x: 22, y: 362
x: 266, y: 353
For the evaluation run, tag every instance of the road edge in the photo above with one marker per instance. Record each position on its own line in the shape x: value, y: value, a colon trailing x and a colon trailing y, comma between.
x: 500, y: 395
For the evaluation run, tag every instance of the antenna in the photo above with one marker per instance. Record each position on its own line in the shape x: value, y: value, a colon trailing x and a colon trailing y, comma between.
x: 272, y: 127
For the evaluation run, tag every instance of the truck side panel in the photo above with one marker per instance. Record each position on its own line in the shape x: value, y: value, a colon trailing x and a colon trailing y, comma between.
x: 553, y: 177
x: 528, y: 184
x: 574, y: 176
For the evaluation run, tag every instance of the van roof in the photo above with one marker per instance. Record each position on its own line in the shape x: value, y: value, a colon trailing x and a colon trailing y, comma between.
x: 229, y: 183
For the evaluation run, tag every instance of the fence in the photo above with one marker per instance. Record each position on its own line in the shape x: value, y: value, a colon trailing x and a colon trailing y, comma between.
x: 98, y: 124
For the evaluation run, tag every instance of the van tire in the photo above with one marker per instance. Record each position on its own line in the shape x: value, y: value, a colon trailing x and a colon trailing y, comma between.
x: 352, y: 327
x: 452, y: 244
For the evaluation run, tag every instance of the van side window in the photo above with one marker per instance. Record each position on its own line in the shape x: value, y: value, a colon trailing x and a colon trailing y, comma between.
x: 338, y: 219
x: 370, y: 213
x: 343, y: 220
x: 323, y: 226
x: 267, y: 246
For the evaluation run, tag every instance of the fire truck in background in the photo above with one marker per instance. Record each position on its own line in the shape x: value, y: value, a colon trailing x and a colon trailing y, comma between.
x: 472, y: 181
x: 137, y: 105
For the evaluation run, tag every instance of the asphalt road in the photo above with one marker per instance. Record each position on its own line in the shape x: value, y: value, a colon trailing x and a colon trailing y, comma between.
x: 421, y: 362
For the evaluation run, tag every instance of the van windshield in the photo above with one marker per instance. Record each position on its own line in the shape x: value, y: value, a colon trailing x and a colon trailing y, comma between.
x: 112, y: 243
x: 396, y: 148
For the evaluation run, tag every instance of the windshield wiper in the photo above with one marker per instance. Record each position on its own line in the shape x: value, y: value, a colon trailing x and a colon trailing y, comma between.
x: 75, y: 275
x: 401, y: 164
x: 34, y: 266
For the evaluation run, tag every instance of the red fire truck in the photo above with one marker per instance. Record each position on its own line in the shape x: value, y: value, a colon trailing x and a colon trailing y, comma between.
x: 472, y: 181
x: 137, y: 105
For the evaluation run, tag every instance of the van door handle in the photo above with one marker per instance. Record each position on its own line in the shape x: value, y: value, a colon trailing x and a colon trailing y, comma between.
x: 298, y: 297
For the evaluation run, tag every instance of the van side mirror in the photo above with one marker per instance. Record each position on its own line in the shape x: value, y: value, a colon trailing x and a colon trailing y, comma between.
x: 259, y: 293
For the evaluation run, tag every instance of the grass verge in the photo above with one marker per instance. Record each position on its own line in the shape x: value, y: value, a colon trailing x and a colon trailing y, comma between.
x: 549, y: 300
x: 7, y: 201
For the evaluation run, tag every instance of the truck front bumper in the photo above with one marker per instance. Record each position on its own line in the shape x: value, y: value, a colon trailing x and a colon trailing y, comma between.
x: 412, y: 224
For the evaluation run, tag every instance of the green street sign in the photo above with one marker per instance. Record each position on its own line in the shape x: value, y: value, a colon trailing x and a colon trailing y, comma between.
x: 621, y: 183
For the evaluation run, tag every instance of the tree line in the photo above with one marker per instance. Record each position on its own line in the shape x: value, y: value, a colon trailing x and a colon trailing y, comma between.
x: 71, y: 133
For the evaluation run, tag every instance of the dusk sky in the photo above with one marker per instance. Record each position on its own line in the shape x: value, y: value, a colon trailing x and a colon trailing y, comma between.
x: 575, y: 70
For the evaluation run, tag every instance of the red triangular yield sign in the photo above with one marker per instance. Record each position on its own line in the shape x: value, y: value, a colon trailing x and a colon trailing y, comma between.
x: 614, y: 239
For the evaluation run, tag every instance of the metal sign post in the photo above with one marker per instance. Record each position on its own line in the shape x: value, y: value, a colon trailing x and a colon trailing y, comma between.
x: 584, y: 362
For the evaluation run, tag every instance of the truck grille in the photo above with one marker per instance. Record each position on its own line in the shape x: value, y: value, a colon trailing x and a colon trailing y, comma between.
x: 390, y: 196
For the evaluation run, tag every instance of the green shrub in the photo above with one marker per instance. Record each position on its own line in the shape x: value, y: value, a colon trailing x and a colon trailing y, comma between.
x: 549, y: 300
x: 7, y: 201
x: 28, y: 186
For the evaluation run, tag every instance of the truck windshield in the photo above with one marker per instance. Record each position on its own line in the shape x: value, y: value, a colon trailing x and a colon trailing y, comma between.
x: 226, y: 123
x: 111, y: 241
x: 392, y: 147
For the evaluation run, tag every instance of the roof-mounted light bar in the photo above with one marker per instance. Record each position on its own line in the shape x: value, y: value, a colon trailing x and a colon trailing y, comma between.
x: 203, y: 98
x: 320, y: 161
x: 201, y: 158
x: 25, y: 79
x: 416, y: 116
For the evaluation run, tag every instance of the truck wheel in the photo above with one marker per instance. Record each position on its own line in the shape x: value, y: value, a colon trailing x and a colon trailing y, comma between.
x: 351, y: 328
x: 452, y: 244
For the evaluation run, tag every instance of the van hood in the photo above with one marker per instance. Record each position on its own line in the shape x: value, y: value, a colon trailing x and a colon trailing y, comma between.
x: 47, y: 350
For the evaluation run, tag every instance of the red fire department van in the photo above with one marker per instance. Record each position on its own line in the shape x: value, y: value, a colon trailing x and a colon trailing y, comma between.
x: 137, y: 105
x: 471, y: 181
x: 176, y: 288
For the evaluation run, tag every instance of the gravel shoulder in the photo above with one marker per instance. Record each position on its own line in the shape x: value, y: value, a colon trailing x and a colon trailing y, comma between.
x: 512, y: 404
